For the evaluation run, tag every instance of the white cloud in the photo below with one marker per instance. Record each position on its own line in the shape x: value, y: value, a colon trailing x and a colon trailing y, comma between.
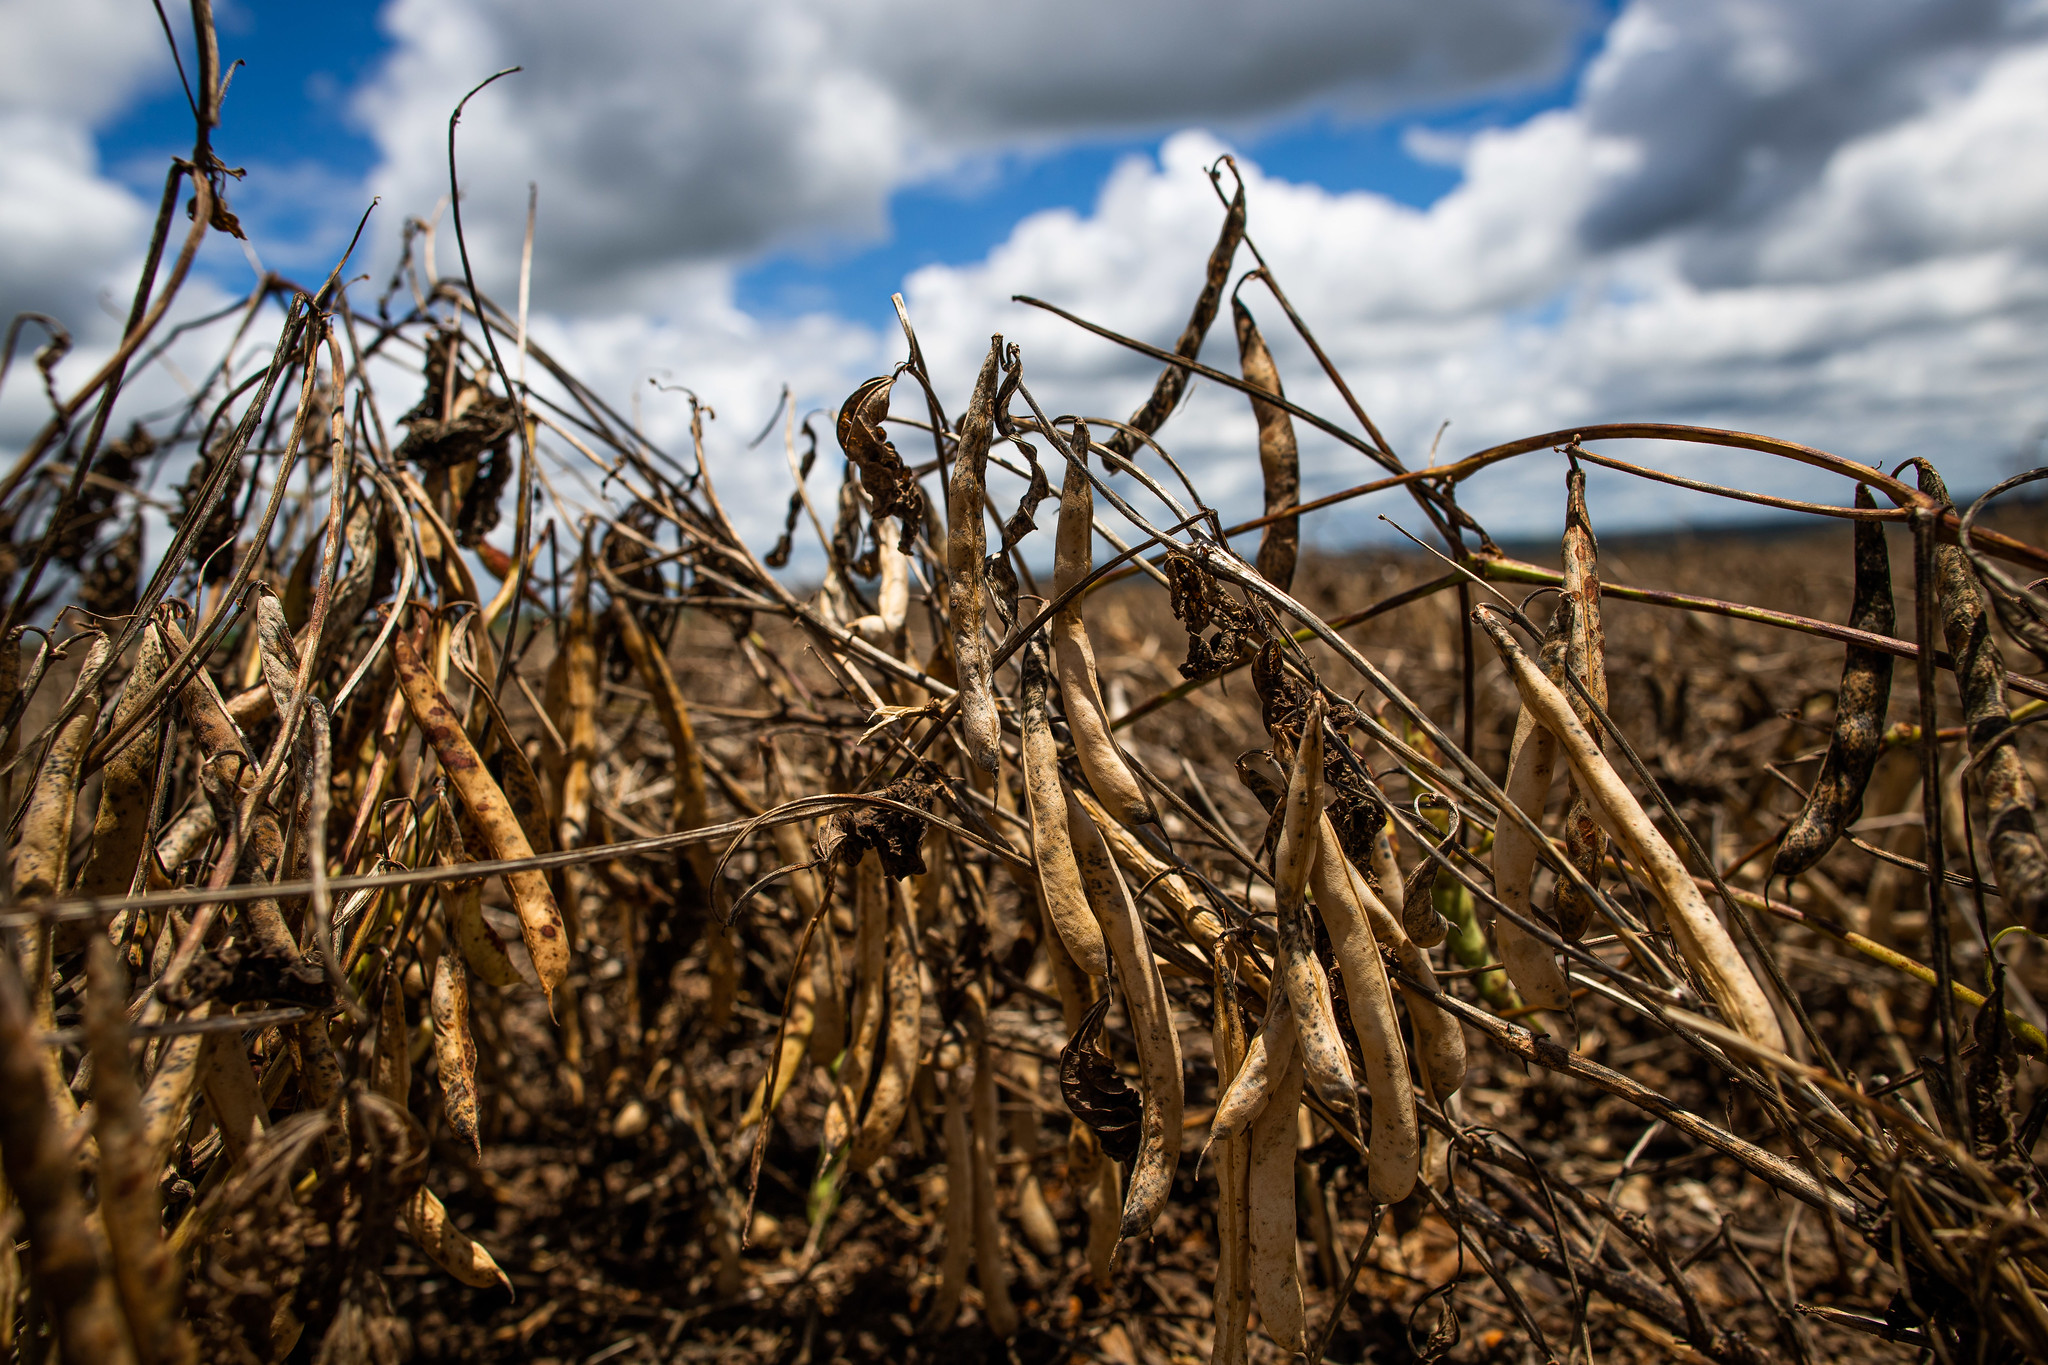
x: 66, y: 231
x: 666, y: 134
x: 78, y: 61
x: 1892, y: 300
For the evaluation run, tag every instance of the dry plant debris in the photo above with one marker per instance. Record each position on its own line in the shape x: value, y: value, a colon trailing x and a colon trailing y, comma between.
x: 623, y: 956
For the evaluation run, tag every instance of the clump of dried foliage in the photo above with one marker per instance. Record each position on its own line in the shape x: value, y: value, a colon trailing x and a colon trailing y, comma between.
x: 600, y: 950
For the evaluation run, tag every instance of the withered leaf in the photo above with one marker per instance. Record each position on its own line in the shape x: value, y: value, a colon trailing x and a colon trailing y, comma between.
x: 1418, y: 905
x: 245, y: 972
x: 1095, y: 1093
x: 889, y: 484
x: 1200, y: 602
x: 894, y: 835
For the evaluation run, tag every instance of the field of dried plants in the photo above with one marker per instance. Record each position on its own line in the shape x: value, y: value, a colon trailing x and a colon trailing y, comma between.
x: 455, y: 918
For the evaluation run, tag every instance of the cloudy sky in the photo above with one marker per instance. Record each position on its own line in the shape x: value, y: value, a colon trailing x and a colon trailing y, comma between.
x: 1824, y: 219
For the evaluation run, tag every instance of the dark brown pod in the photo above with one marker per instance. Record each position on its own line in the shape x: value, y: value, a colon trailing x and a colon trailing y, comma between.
x: 1858, y: 739
x: 1173, y: 380
x: 2001, y: 777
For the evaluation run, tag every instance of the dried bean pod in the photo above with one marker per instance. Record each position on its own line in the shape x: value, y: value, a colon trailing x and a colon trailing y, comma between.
x: 688, y: 803
x: 1279, y: 460
x: 454, y: 1048
x: 540, y: 922
x: 966, y: 592
x: 892, y: 596
x: 1530, y: 965
x: 1395, y: 1137
x: 170, y: 1091
x: 462, y: 906
x: 1858, y: 739
x: 1173, y: 380
x: 1102, y: 761
x: 1195, y: 917
x: 130, y: 1211
x: 35, y: 1149
x: 231, y: 1092
x: 1420, y: 918
x: 1439, y: 1038
x: 448, y: 1246
x: 1151, y: 1021
x: 121, y: 825
x: 991, y: 1268
x: 1586, y: 655
x: 1104, y: 1202
x: 1296, y: 967
x: 1251, y: 1088
x: 864, y: 1028
x: 2009, y: 797
x: 1275, y: 1269
x: 43, y: 848
x: 900, y: 1037
x: 1231, y: 1296
x: 1700, y: 935
x: 1052, y: 849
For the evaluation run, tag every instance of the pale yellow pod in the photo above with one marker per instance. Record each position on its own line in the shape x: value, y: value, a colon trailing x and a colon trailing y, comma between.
x: 1528, y: 960
x: 540, y: 920
x: 1230, y: 1297
x: 1395, y: 1141
x: 1142, y: 868
x: 1151, y: 1021
x: 454, y: 1048
x: 462, y: 905
x: 391, y: 1063
x: 121, y: 825
x: 1275, y: 1263
x: 1269, y: 1055
x: 1102, y: 761
x: 1439, y: 1038
x: 43, y: 850
x: 1052, y: 847
x: 900, y: 1038
x: 1104, y: 1202
x: 1386, y: 864
x: 892, y: 596
x: 231, y: 1092
x: 1699, y: 933
x: 1296, y: 967
x: 170, y: 1090
x: 864, y: 1028
x: 448, y: 1246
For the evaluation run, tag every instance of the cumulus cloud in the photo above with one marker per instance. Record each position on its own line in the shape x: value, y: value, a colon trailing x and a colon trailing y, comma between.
x: 65, y: 229
x: 79, y: 61
x: 666, y: 135
x: 1890, y: 298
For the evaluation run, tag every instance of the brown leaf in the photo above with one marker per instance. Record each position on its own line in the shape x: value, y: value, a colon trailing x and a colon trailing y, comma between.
x: 1094, y: 1091
x: 882, y: 472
